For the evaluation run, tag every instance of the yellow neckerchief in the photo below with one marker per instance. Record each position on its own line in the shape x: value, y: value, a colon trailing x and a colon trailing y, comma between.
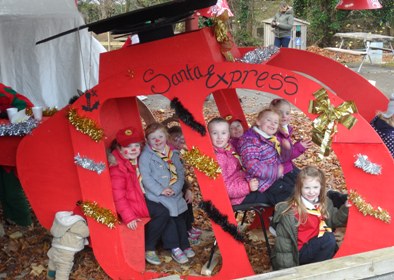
x: 285, y: 130
x: 234, y: 153
x: 137, y: 170
x: 271, y: 138
x: 314, y: 209
x: 166, y: 156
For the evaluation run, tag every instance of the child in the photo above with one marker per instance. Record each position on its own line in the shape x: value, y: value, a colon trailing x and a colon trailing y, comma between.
x: 239, y: 189
x: 262, y: 156
x: 70, y: 234
x: 177, y: 142
x: 383, y: 123
x: 236, y: 130
x: 285, y: 131
x: 163, y: 179
x: 303, y: 223
x: 128, y: 193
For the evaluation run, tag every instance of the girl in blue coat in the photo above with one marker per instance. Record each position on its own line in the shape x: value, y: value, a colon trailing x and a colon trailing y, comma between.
x: 163, y: 178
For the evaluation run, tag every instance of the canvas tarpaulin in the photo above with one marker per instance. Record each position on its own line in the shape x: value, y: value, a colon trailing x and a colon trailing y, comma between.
x: 49, y: 73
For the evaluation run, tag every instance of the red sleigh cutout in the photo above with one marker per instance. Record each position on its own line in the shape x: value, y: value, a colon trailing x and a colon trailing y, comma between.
x: 190, y: 66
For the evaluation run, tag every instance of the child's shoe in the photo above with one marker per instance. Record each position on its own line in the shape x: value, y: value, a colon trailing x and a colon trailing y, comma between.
x: 189, y: 252
x: 51, y: 274
x: 179, y: 256
x: 194, y: 241
x: 152, y: 258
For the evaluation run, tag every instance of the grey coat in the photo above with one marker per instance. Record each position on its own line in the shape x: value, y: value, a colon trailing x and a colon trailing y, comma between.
x: 156, y: 177
x: 285, y: 21
x: 285, y: 252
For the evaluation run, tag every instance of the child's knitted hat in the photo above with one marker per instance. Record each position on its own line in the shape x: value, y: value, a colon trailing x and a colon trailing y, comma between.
x: 390, y: 108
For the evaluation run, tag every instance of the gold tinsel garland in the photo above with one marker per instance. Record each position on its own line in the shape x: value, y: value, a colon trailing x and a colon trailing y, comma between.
x: 99, y: 214
x: 203, y: 163
x: 367, y: 209
x: 46, y: 112
x: 85, y: 125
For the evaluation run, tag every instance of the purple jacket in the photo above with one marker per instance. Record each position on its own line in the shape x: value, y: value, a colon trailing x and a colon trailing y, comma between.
x: 296, y: 149
x: 260, y: 159
x: 233, y: 175
x: 385, y: 131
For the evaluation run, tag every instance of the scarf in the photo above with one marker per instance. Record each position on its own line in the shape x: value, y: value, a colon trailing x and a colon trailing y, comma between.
x: 234, y: 154
x: 271, y: 138
x: 166, y: 156
x: 137, y: 171
x: 314, y: 209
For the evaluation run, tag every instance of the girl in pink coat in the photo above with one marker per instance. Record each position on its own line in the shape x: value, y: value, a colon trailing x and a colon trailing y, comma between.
x: 239, y: 189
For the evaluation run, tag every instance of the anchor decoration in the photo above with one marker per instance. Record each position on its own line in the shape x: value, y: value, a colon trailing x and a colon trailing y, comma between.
x: 88, y: 107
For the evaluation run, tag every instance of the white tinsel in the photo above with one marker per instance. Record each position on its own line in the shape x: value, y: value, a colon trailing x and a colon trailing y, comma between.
x: 259, y: 55
x: 89, y: 164
x: 18, y: 129
x: 369, y: 167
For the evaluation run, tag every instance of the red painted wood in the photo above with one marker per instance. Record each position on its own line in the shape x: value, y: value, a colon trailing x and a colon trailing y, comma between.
x: 189, y: 67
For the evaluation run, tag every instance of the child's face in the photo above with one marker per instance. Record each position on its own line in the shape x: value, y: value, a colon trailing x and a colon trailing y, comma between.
x: 269, y: 123
x: 220, y: 134
x: 236, y: 129
x: 178, y: 141
x: 284, y: 111
x: 311, y: 189
x: 157, y: 140
x: 131, y: 152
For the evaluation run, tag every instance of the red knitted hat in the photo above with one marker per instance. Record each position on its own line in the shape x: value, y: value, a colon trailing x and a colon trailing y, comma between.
x: 129, y: 135
x: 230, y: 119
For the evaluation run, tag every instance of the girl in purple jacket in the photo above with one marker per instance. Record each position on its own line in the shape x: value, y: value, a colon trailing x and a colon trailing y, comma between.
x: 285, y: 131
x: 263, y: 157
x: 239, y: 189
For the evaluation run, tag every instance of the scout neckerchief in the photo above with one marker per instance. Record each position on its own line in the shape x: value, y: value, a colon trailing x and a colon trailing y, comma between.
x: 166, y: 156
x: 271, y: 138
x: 314, y: 209
x: 234, y: 153
x: 285, y: 130
x: 134, y: 163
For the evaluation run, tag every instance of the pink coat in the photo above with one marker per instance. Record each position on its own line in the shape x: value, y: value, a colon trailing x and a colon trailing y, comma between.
x: 128, y: 196
x: 233, y: 175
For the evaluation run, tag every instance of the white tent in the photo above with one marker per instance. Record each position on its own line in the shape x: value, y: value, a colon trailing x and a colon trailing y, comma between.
x: 49, y: 73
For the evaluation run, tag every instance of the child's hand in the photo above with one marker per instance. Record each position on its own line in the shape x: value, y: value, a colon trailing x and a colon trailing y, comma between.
x: 348, y: 204
x: 133, y: 224
x: 168, y: 192
x: 254, y: 185
x: 306, y: 143
x: 280, y: 171
x: 189, y: 196
x: 286, y: 144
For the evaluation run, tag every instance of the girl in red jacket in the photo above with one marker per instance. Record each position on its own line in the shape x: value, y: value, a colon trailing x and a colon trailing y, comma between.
x: 128, y: 193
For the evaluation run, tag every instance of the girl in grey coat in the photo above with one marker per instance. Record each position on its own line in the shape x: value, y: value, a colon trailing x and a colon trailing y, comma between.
x: 163, y: 178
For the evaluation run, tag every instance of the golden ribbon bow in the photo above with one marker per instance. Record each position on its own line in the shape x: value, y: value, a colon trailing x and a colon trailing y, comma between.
x: 325, y: 125
x: 221, y: 30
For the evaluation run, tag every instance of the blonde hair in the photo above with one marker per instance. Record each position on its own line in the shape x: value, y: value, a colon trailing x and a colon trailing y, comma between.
x: 277, y: 102
x: 263, y: 112
x: 295, y: 202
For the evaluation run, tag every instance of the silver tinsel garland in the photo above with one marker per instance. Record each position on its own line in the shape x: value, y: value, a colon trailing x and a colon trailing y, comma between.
x: 259, y: 55
x: 369, y: 167
x: 89, y: 164
x: 18, y: 129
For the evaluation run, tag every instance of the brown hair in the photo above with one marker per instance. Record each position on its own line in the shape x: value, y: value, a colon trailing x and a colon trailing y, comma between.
x: 295, y: 201
x: 156, y: 126
x: 216, y: 120
x: 278, y: 101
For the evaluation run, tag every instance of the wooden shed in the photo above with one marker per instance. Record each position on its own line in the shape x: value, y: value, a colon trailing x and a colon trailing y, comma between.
x: 299, y: 25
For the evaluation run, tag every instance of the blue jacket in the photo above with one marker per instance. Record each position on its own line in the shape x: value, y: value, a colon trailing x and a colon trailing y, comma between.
x: 156, y: 177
